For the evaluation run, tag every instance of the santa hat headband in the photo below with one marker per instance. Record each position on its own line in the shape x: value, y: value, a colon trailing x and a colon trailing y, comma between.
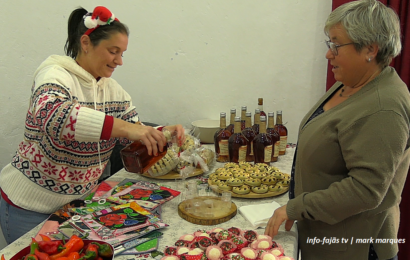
x: 100, y: 16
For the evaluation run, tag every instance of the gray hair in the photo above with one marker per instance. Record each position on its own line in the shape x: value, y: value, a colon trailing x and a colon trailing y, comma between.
x: 369, y: 22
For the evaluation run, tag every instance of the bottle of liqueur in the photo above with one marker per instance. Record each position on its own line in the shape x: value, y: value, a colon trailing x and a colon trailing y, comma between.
x: 283, y: 132
x: 262, y: 144
x: 249, y: 135
x: 135, y: 156
x: 221, y: 138
x: 274, y: 135
x: 232, y: 121
x: 256, y: 121
x: 237, y: 144
x: 243, y: 117
x: 260, y: 106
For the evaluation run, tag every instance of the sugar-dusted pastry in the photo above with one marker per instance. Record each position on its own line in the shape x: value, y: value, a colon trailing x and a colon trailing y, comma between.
x: 249, y: 253
x: 239, y: 241
x: 235, y: 230
x: 188, y: 237
x: 182, y: 250
x: 170, y: 257
x: 214, y: 253
x: 278, y: 251
x: 262, y: 244
x: 250, y: 235
x: 224, y: 234
x: 268, y: 256
x: 227, y: 246
x: 170, y: 250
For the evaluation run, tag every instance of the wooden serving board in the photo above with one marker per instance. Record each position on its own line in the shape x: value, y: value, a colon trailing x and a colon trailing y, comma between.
x: 251, y: 195
x: 206, y: 215
x: 172, y: 175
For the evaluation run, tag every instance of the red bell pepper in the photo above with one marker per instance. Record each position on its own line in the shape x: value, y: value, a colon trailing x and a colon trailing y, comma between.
x: 45, y: 237
x: 51, y: 247
x: 75, y: 244
x: 41, y: 255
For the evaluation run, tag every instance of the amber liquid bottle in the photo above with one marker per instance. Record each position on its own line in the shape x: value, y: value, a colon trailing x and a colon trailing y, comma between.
x: 260, y: 106
x: 262, y: 144
x: 243, y: 117
x: 221, y: 138
x: 256, y: 121
x: 237, y: 144
x: 136, y: 159
x: 249, y: 135
x: 283, y: 132
x: 231, y: 125
x: 274, y: 135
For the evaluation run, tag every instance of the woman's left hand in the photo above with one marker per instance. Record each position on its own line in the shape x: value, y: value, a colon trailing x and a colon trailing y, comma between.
x: 180, y: 131
x: 278, y: 217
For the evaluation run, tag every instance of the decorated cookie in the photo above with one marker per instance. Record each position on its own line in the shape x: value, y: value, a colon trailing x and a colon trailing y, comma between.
x: 231, y: 165
x: 224, y: 234
x: 239, y: 241
x: 242, y: 190
x: 234, y: 182
x: 234, y: 256
x: 212, y: 235
x: 252, y: 182
x: 181, y: 242
x: 276, y: 188
x: 224, y: 187
x: 204, y: 242
x: 263, y: 188
x: 269, y: 180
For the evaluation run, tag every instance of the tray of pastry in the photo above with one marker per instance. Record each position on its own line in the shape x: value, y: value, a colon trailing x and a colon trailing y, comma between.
x: 172, y: 175
x: 246, y: 180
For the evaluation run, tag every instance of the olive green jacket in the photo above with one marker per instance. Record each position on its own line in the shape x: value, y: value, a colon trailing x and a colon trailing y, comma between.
x: 351, y: 166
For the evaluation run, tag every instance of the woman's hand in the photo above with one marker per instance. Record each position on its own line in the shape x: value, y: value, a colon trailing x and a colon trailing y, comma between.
x: 148, y: 135
x: 278, y: 217
x: 180, y: 133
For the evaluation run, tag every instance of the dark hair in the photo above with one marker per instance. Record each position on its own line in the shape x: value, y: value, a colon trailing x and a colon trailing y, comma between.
x: 76, y: 29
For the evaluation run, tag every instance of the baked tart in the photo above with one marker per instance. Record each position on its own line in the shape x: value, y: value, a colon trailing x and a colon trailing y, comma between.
x: 224, y: 175
x: 234, y: 182
x: 242, y: 190
x: 224, y: 187
x: 276, y: 188
x: 269, y: 180
x: 284, y: 183
x: 231, y: 165
x: 241, y: 176
x: 252, y: 182
x: 257, y: 175
x: 260, y: 189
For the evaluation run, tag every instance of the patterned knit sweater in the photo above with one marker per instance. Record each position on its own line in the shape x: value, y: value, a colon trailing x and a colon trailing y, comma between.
x: 61, y: 156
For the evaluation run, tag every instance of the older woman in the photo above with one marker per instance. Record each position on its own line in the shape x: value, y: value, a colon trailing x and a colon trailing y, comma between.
x: 352, y: 156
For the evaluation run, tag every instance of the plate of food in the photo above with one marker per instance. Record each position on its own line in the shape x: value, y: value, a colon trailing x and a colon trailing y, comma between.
x: 246, y: 180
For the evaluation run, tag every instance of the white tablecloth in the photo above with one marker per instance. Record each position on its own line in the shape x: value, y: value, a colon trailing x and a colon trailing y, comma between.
x: 178, y: 226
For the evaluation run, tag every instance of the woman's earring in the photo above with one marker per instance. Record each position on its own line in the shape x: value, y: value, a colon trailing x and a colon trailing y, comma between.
x: 87, y: 52
x: 369, y: 60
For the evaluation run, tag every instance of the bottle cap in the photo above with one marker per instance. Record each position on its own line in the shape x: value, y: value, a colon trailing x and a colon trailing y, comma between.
x: 223, y: 114
x: 233, y: 110
x: 257, y: 111
x: 244, y: 108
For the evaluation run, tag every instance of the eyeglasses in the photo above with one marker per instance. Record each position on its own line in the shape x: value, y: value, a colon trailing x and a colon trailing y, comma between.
x: 333, y: 47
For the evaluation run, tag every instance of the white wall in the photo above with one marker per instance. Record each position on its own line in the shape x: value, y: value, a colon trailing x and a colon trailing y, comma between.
x: 186, y: 60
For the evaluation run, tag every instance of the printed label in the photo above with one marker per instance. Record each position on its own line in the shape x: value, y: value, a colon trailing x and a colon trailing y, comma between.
x: 268, y: 154
x: 276, y: 149
x: 242, y: 153
x: 223, y: 148
x: 283, y: 142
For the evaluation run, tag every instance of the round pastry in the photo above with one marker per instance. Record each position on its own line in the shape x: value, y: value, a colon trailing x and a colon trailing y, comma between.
x: 236, y: 171
x: 227, y: 246
x: 234, y: 230
x: 239, y: 241
x: 249, y: 253
x: 182, y: 243
x: 267, y: 256
x: 262, y: 244
x: 242, y: 190
x: 224, y: 235
x: 224, y: 187
x: 241, y: 176
x: 217, y: 182
x: 284, y: 183
x: 252, y: 170
x: 244, y: 165
x: 204, y: 242
x: 263, y: 188
x: 269, y: 180
x: 275, y: 188
x: 182, y: 250
x: 278, y: 251
x: 278, y: 175
x: 224, y: 175
x: 214, y: 253
x: 188, y: 237
x: 286, y: 176
x: 219, y: 170
x: 262, y: 166
x: 234, y: 256
x: 258, y: 175
x: 194, y: 245
x: 252, y: 182
x: 213, y: 175
x: 234, y: 182
x: 250, y: 235
x: 171, y: 250
x: 231, y: 165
